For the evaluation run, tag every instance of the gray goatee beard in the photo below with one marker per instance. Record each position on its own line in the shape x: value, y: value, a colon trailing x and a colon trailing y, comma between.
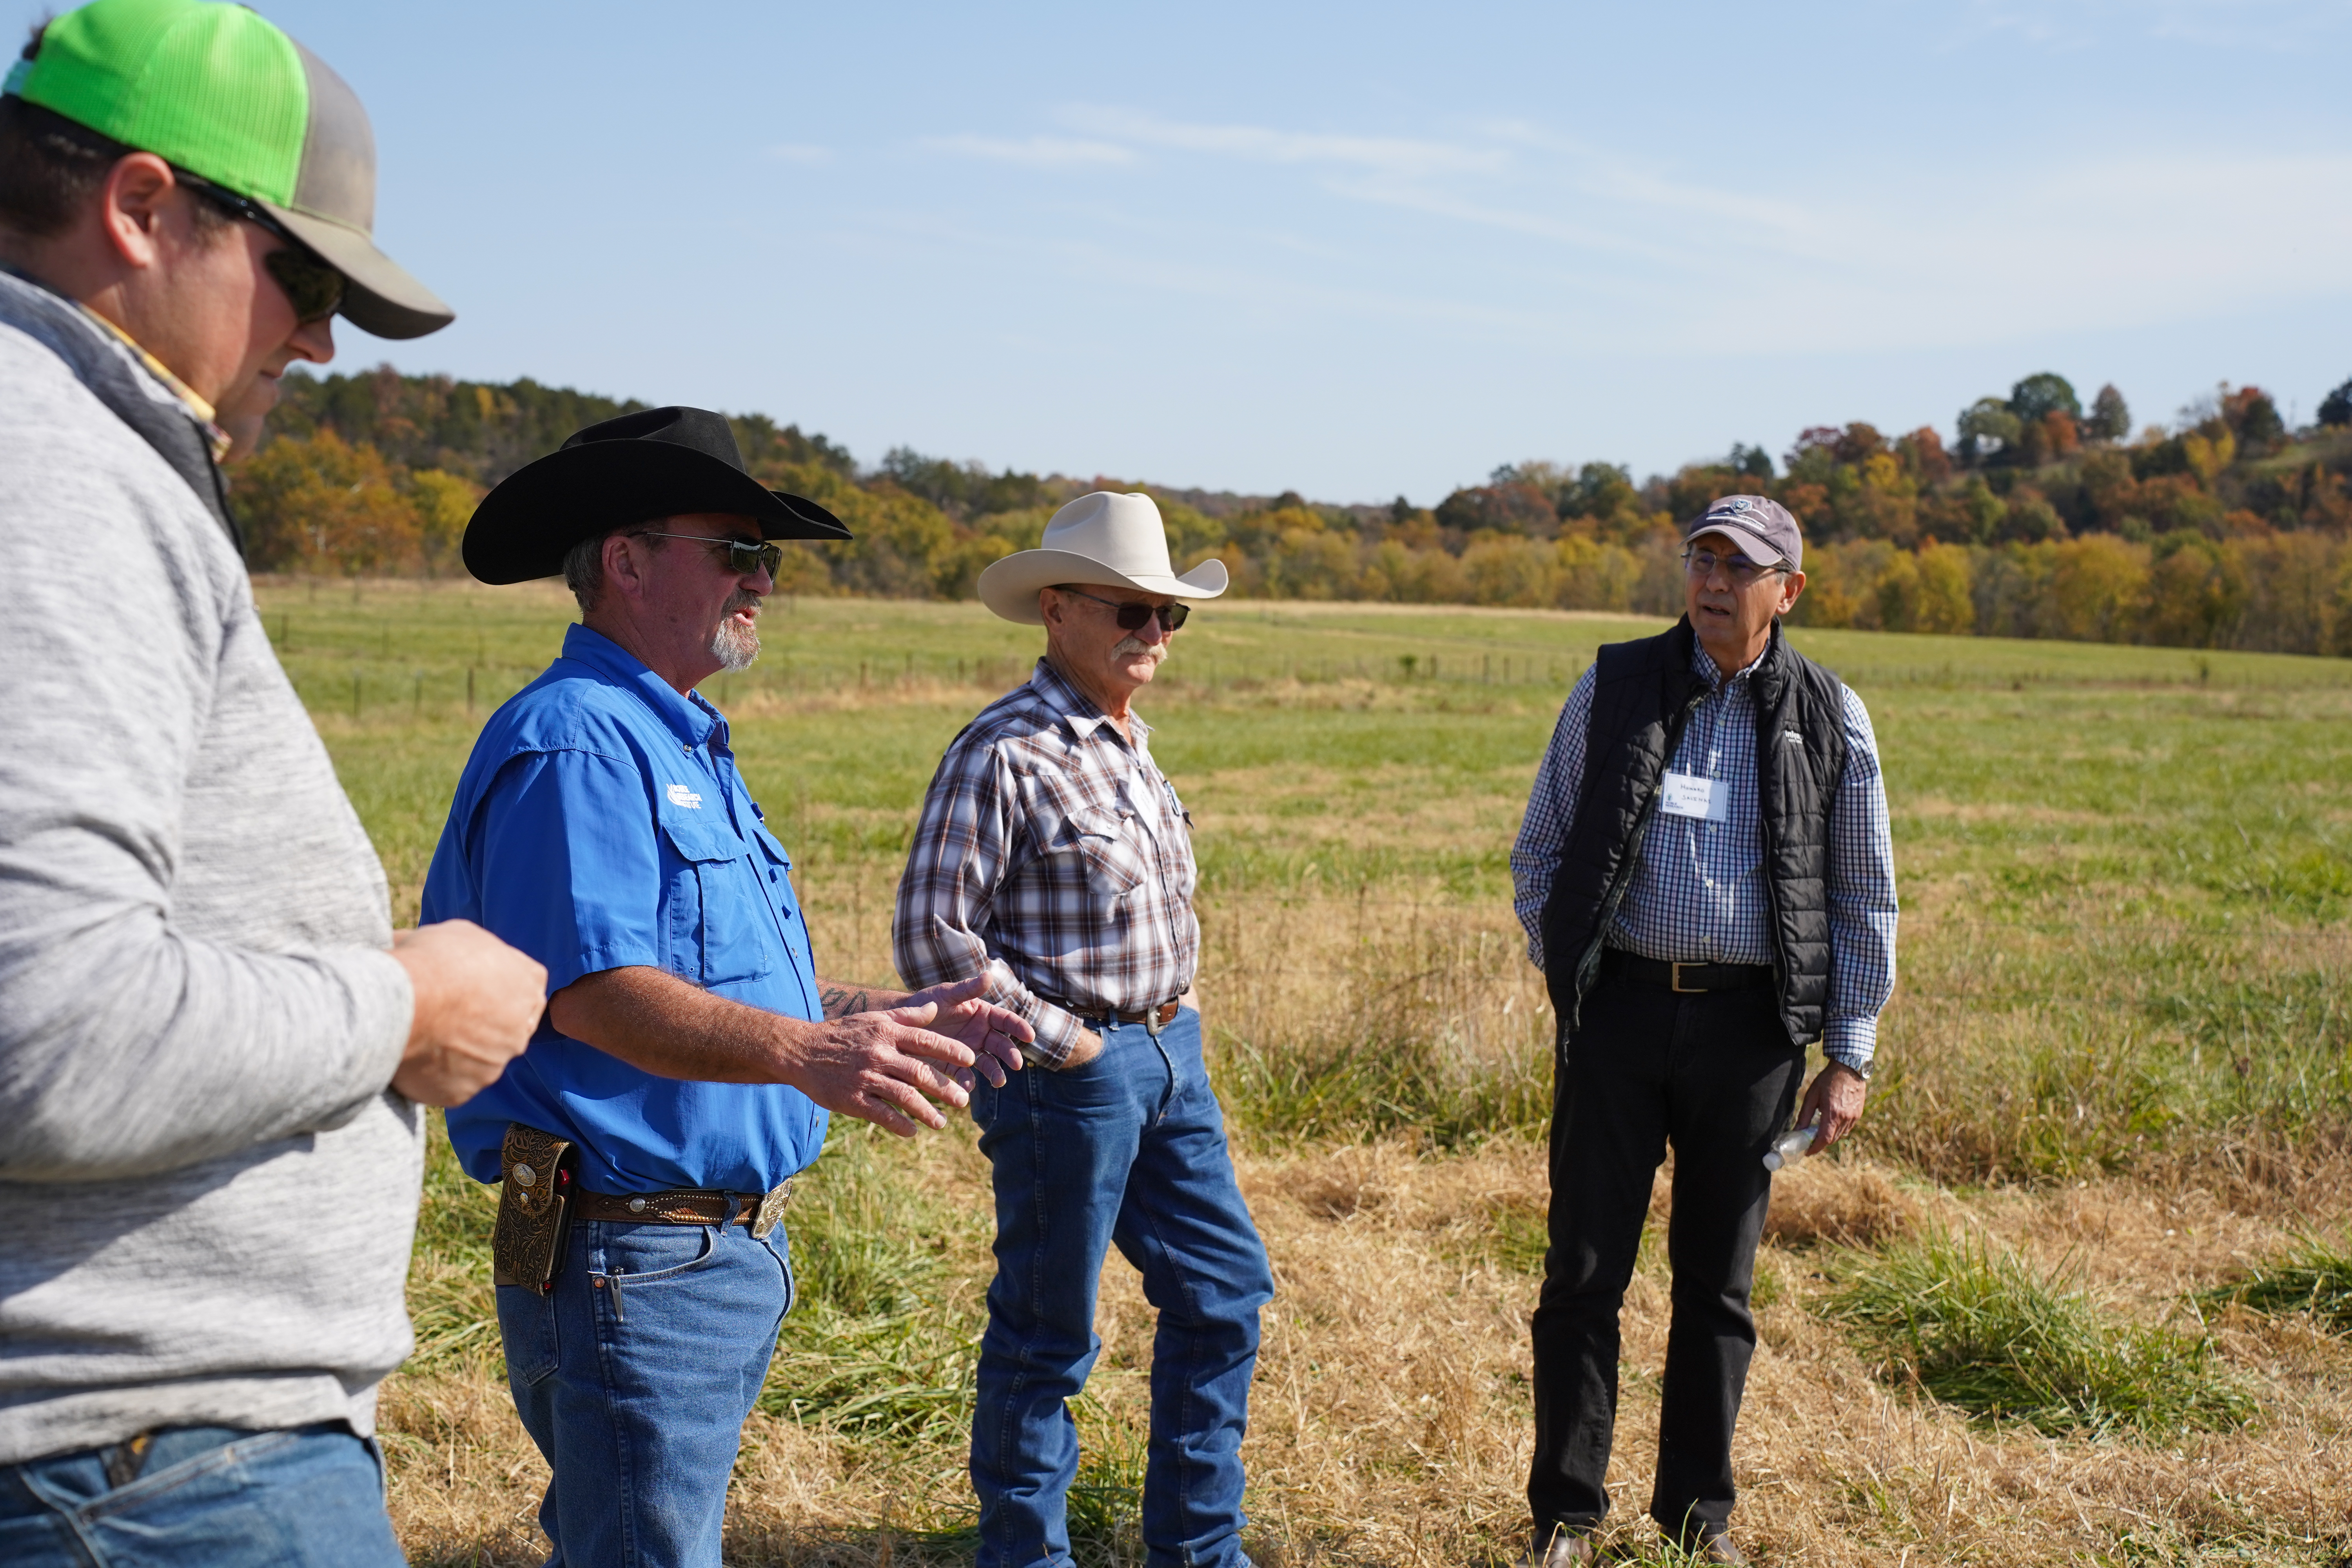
x: 735, y: 646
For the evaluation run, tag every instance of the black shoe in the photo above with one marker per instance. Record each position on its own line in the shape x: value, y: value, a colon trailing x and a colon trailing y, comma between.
x: 1560, y: 1547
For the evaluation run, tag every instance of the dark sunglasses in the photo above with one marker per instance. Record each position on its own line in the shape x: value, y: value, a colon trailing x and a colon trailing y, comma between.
x: 1131, y: 617
x: 744, y: 556
x: 313, y: 288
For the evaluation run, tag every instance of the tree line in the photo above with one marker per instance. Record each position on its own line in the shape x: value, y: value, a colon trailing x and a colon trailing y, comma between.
x: 2043, y: 517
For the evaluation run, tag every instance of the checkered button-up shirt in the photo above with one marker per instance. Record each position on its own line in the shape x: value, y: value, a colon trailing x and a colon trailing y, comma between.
x: 1053, y: 854
x: 1697, y: 893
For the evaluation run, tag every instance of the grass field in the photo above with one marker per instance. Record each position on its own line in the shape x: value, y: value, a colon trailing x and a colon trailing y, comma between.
x: 2073, y: 1294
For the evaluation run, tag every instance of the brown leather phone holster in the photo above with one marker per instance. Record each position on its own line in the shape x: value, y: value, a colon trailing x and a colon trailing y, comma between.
x: 534, y: 1207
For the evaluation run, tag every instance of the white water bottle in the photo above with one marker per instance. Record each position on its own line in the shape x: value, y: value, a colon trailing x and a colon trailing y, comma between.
x: 1788, y: 1146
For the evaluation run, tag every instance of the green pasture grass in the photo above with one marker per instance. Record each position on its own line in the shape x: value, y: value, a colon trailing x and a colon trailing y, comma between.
x: 2125, y: 875
x: 2314, y: 1276
x: 1982, y: 1329
x: 2125, y: 870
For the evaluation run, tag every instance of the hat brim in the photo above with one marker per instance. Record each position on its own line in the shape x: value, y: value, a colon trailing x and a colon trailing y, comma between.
x: 524, y: 527
x: 382, y: 298
x: 1754, y: 546
x: 1009, y: 587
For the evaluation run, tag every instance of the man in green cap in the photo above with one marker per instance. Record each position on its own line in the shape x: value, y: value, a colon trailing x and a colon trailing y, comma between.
x: 213, y: 1051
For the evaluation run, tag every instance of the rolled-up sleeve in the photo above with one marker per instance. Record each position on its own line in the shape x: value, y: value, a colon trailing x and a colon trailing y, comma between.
x: 962, y: 851
x: 1551, y: 812
x: 1863, y: 905
x: 566, y: 864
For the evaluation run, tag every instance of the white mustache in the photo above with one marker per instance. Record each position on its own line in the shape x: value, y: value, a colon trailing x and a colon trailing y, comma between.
x: 1154, y: 651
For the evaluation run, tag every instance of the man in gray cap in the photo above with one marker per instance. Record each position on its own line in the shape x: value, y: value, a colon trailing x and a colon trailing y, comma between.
x: 1706, y: 881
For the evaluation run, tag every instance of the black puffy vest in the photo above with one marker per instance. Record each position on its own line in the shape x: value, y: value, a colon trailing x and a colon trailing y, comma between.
x: 1643, y: 696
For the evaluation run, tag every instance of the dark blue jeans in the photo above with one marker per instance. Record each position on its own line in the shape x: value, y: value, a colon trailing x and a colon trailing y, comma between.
x: 1127, y: 1151
x: 634, y: 1376
x: 309, y: 1498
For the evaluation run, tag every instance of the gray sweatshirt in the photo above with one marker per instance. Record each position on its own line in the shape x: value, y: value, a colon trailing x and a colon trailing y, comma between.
x: 207, y: 1191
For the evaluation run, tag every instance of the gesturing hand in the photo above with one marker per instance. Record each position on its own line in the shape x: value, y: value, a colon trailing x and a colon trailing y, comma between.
x: 879, y: 1066
x: 993, y: 1034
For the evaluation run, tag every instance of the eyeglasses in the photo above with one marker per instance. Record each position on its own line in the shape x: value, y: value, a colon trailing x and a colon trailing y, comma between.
x: 312, y: 287
x: 744, y: 556
x: 1701, y: 563
x: 1131, y: 617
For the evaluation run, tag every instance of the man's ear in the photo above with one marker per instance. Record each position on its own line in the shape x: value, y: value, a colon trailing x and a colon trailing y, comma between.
x: 623, y: 569
x: 1792, y: 584
x: 132, y: 204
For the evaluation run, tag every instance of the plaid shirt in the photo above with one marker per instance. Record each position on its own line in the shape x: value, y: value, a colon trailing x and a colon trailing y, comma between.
x: 1054, y: 854
x: 1697, y: 893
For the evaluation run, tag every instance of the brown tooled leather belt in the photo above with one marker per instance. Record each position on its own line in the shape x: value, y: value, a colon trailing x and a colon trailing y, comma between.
x: 687, y: 1205
x: 1159, y: 1017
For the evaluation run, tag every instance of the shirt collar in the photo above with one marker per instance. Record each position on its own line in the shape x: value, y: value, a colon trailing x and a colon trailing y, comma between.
x: 689, y: 718
x: 1704, y: 665
x: 1074, y: 707
x: 206, y: 415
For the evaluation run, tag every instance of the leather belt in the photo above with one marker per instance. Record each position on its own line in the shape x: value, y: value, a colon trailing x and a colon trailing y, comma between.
x: 1686, y: 979
x: 1154, y: 1018
x: 687, y: 1205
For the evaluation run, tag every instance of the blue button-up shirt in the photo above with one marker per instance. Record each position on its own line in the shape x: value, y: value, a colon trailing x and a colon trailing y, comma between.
x: 1697, y: 893
x: 601, y: 824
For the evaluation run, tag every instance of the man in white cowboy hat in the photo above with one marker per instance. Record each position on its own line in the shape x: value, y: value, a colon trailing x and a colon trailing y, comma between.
x: 1054, y: 857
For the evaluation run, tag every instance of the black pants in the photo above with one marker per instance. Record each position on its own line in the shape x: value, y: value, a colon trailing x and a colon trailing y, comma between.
x: 1717, y: 1075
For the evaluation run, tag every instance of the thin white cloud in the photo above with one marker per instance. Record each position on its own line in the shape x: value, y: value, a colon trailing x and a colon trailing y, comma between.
x: 800, y: 152
x: 1404, y: 157
x: 1527, y: 230
x: 2263, y: 24
x: 1035, y: 151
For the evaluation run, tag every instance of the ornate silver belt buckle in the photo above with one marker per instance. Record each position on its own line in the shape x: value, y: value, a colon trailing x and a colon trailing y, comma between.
x: 771, y: 1208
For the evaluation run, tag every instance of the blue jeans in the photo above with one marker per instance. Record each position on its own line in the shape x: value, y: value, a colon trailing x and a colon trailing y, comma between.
x: 634, y: 1376
x: 1127, y: 1151
x: 309, y: 1498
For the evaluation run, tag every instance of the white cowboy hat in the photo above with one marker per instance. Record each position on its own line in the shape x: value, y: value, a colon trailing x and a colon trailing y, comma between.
x: 1097, y: 538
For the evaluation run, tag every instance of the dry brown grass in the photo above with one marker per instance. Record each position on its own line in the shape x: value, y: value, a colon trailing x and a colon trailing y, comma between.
x: 2117, y: 1051
x: 1389, y: 1421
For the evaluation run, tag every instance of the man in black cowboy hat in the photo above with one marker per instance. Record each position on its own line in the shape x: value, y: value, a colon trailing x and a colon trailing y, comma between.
x: 691, y: 1052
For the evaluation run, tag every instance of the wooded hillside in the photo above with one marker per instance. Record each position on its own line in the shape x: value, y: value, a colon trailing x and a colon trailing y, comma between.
x: 2041, y: 517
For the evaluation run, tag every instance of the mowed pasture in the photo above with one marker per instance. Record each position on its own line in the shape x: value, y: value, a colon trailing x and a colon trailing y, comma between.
x: 2074, y: 1293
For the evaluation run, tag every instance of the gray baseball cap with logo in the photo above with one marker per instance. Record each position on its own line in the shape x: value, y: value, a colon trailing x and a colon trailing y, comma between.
x: 1759, y: 525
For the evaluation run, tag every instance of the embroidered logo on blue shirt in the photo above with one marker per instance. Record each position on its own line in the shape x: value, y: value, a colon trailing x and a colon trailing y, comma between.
x: 681, y: 795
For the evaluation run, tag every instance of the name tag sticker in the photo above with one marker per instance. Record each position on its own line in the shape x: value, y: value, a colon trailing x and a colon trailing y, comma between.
x: 1687, y: 794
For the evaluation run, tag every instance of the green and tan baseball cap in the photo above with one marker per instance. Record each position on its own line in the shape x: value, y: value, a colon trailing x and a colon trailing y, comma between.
x: 224, y: 94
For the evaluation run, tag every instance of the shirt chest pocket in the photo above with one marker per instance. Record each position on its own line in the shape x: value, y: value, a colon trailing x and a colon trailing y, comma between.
x: 1107, y: 846
x: 721, y: 928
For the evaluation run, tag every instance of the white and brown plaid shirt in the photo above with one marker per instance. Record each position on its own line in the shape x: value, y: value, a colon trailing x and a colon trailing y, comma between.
x: 1054, y: 854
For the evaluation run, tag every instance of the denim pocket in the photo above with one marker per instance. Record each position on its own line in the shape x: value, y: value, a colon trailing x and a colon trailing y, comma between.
x: 657, y: 1253
x: 527, y: 1326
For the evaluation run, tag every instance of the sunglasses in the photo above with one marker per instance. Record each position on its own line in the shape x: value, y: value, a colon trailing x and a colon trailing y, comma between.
x: 744, y: 556
x: 1131, y: 617
x: 313, y: 288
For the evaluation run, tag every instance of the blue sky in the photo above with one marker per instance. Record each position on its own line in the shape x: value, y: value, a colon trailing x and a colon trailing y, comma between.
x: 1362, y: 250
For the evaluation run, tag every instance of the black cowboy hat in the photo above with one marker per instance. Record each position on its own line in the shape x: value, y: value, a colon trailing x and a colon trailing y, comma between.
x: 664, y: 462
